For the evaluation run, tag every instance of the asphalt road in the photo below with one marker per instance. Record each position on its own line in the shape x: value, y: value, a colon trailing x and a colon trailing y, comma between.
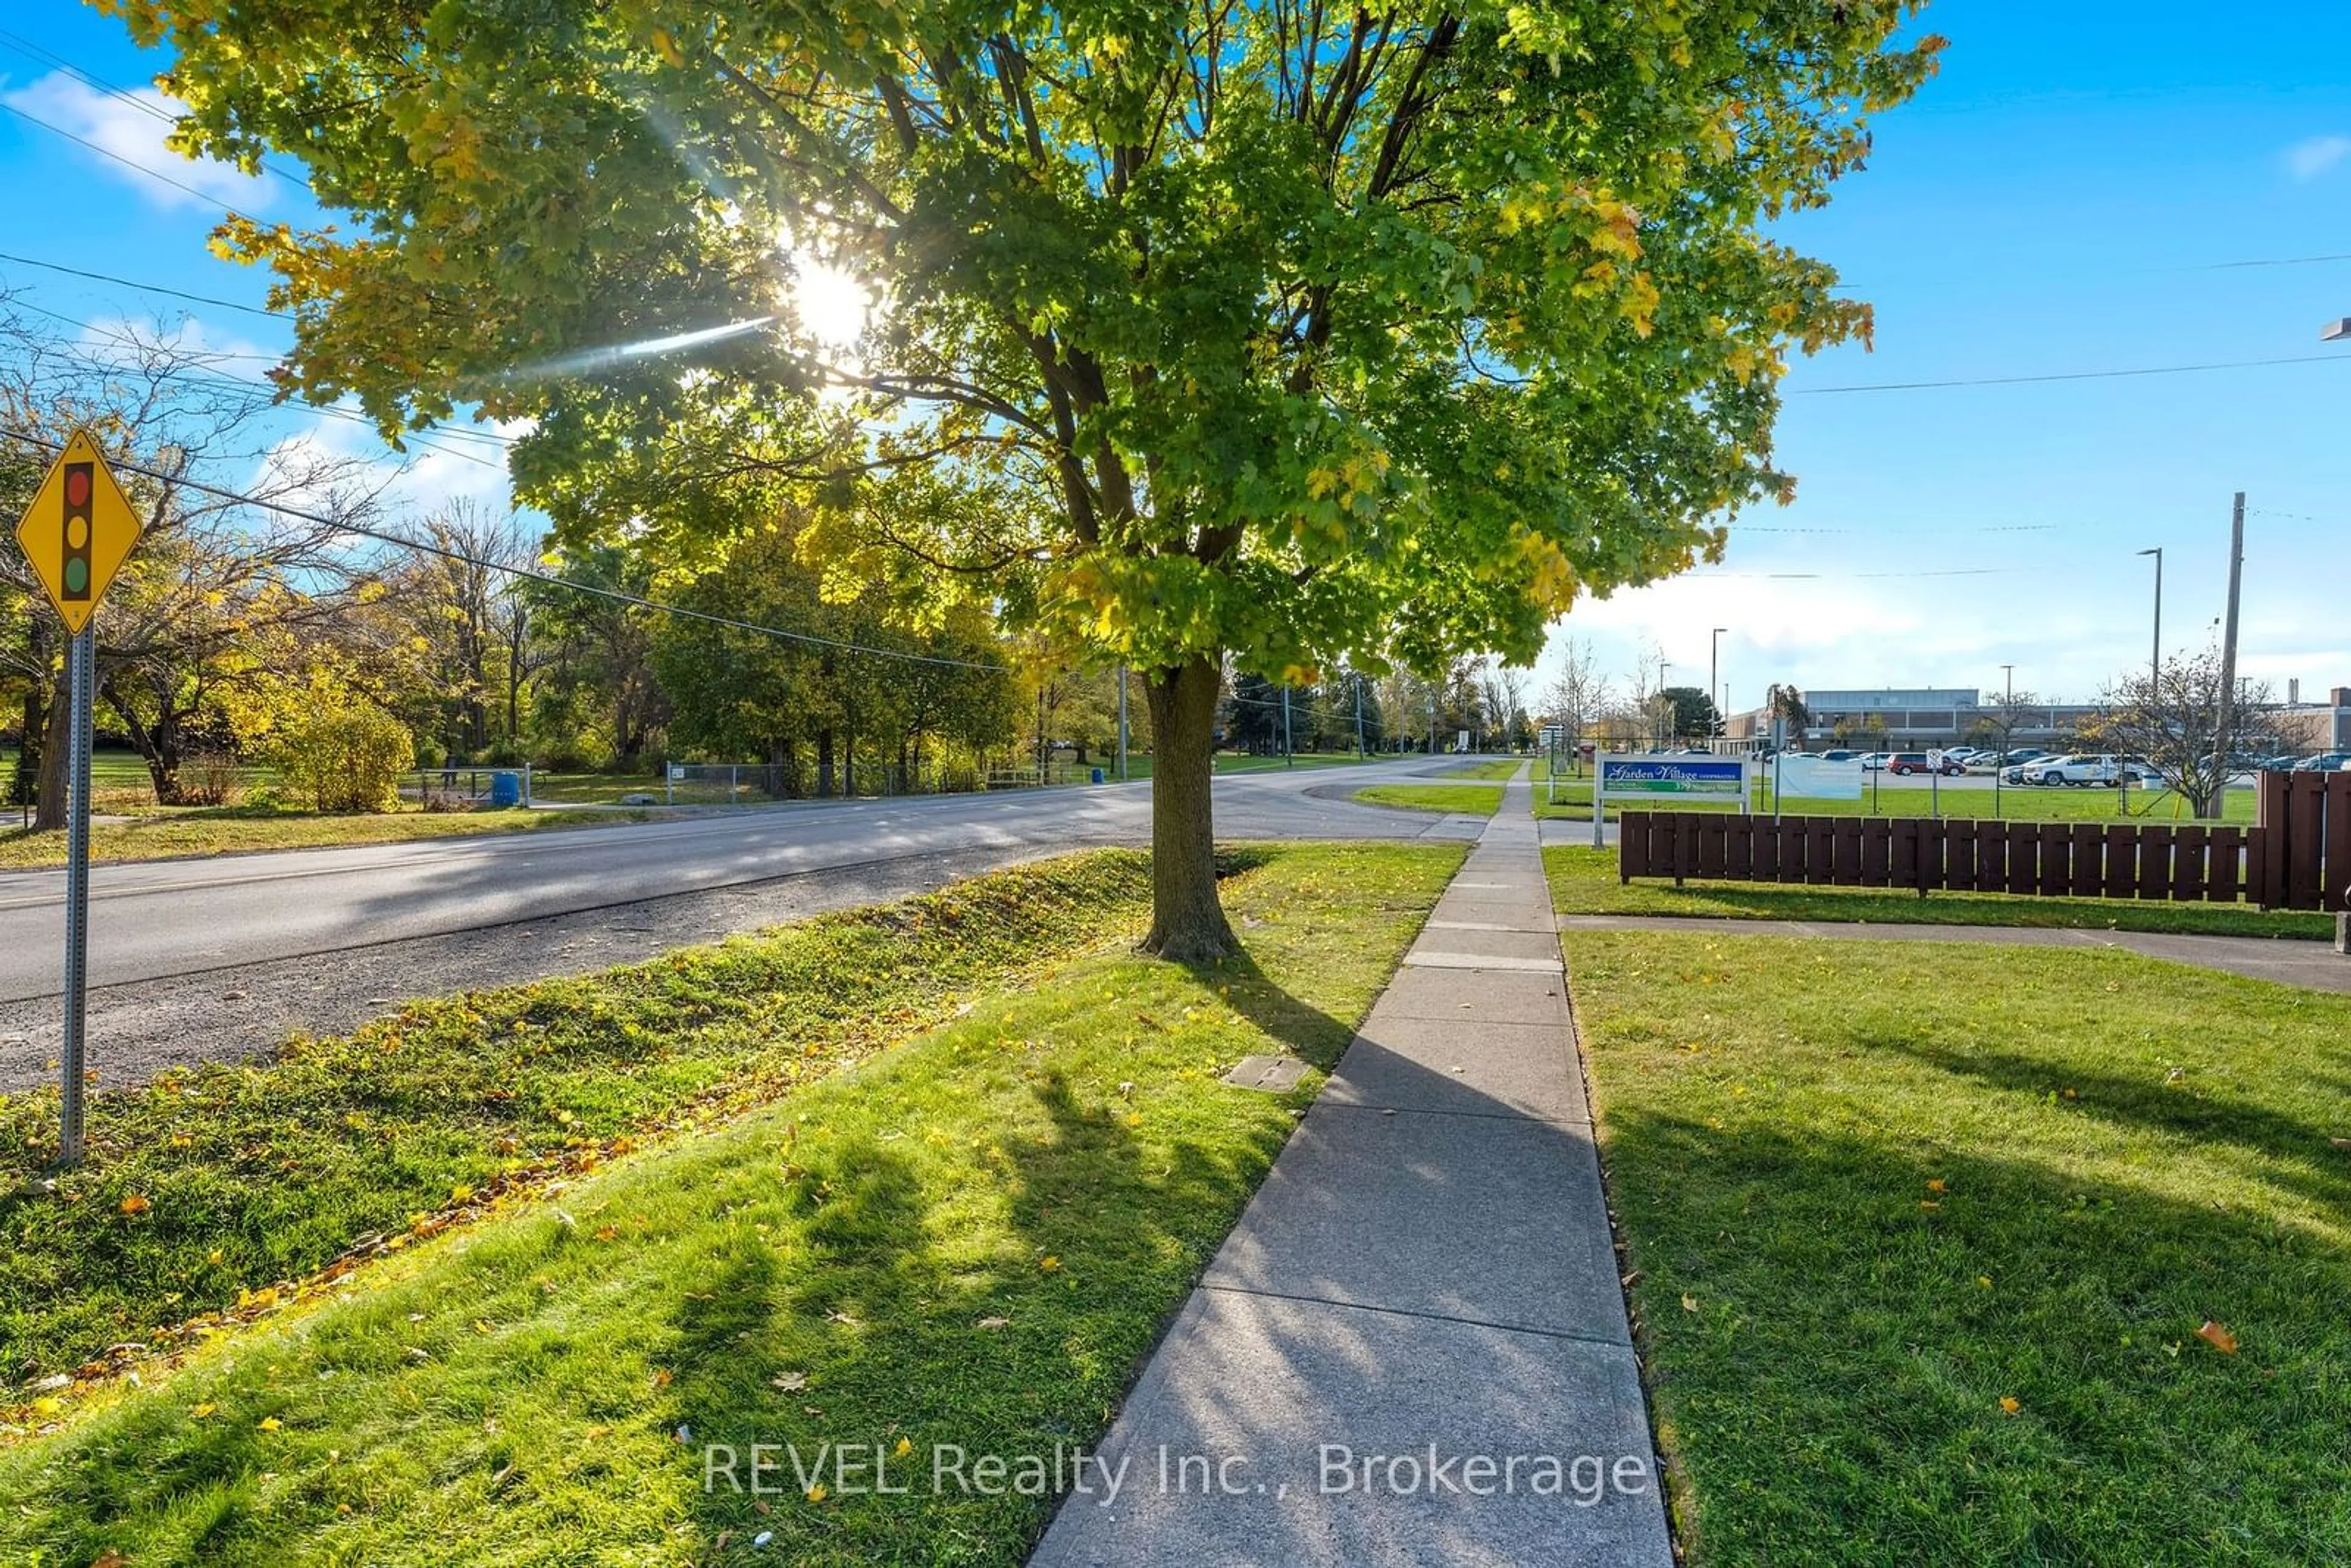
x: 221, y: 958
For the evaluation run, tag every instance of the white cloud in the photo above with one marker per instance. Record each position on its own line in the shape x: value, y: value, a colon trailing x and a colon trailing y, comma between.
x: 2308, y: 159
x: 423, y: 482
x: 126, y: 131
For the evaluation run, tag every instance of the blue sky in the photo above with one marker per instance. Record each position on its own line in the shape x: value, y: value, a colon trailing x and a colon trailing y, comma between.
x: 2064, y: 196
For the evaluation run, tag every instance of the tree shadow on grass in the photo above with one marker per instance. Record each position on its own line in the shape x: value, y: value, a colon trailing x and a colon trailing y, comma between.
x: 2145, y: 1100
x: 905, y: 1330
x: 1828, y: 1348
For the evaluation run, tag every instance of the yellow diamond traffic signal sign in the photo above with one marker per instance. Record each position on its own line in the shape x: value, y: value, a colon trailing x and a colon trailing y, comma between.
x: 78, y: 531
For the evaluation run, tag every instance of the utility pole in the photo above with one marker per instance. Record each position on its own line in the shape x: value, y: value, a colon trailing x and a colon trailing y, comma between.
x: 2223, y: 720
x: 1432, y: 719
x: 1288, y: 760
x: 2155, y: 663
x: 1121, y: 724
x: 1360, y: 753
x: 1713, y: 676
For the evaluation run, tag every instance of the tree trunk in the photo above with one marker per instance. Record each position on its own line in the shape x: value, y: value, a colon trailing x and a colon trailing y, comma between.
x: 49, y: 805
x: 1187, y: 924
x: 824, y: 764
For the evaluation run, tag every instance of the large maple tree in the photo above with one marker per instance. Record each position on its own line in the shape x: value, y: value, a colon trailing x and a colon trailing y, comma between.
x: 1294, y: 330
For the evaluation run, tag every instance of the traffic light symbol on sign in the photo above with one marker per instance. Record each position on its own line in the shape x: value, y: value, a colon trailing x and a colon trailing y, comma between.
x: 74, y: 579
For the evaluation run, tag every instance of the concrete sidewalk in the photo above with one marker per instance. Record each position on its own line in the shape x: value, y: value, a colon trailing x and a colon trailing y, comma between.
x: 2287, y: 961
x: 1412, y: 1347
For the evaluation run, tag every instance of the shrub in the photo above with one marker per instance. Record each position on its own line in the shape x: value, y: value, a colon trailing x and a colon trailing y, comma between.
x: 209, y: 777
x: 346, y: 759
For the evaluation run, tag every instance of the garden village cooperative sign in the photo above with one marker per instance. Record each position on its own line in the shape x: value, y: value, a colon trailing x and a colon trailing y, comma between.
x: 1721, y: 778
x: 76, y: 535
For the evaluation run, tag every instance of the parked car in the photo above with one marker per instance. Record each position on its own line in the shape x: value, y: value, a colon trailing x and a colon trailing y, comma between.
x: 1839, y: 755
x: 2085, y: 768
x: 1872, y: 761
x: 1910, y: 762
x: 2282, y: 762
x: 2324, y: 762
x: 2022, y: 754
x: 1962, y: 754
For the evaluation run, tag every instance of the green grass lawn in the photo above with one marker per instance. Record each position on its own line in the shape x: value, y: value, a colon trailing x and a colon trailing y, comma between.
x: 970, y: 1239
x: 2021, y: 804
x: 1583, y: 881
x: 1922, y: 1239
x: 1503, y: 767
x: 1471, y: 800
x: 170, y: 833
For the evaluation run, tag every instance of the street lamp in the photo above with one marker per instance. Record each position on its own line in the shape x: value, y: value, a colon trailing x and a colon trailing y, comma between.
x: 2007, y: 735
x: 1713, y: 678
x: 2155, y: 666
x: 1665, y: 707
x: 2337, y: 331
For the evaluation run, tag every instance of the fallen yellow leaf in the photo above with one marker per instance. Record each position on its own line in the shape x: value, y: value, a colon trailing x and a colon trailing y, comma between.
x: 2218, y: 1336
x: 1048, y: 1263
x: 135, y: 1204
x: 48, y: 1404
x: 1937, y: 1186
x: 906, y: 1446
x: 1689, y: 1304
x: 816, y: 1492
x: 201, y: 1411
x: 270, y: 1423
x: 2008, y: 1403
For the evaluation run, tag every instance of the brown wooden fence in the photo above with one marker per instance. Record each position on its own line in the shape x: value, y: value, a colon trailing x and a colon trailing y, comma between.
x: 2304, y: 821
x: 2297, y: 855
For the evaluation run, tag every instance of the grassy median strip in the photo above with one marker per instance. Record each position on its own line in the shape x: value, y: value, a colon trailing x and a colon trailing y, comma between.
x: 211, y: 1185
x: 965, y: 1242
x: 1500, y: 768
x: 170, y: 834
x: 1583, y: 881
x: 1966, y: 1255
x: 1469, y: 799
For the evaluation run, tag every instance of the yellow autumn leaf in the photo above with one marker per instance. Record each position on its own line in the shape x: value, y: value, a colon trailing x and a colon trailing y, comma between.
x: 2009, y: 1403
x: 1936, y: 1185
x: 1048, y: 1263
x: 1689, y: 1304
x: 135, y: 1204
x: 906, y: 1446
x: 201, y: 1411
x: 816, y: 1492
x: 2218, y: 1336
x: 460, y: 1193
x: 48, y: 1404
x: 270, y: 1424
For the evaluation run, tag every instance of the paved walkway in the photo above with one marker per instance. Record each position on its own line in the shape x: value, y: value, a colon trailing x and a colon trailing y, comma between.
x: 1413, y: 1348
x: 2287, y: 960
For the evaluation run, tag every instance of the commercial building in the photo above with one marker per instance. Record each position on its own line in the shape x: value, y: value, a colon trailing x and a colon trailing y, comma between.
x: 1912, y: 718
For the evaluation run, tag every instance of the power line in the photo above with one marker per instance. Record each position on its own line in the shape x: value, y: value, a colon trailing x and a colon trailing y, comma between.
x: 317, y: 410
x: 205, y: 196
x: 146, y: 287
x: 523, y: 572
x: 25, y: 47
x: 2071, y: 376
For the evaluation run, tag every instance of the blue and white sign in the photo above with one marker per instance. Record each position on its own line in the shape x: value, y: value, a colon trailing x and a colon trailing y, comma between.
x: 1816, y: 779
x: 1724, y: 775
x: 1698, y: 777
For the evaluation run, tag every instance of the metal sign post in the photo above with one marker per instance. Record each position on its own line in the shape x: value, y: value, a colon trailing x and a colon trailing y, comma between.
x: 76, y: 535
x: 81, y: 679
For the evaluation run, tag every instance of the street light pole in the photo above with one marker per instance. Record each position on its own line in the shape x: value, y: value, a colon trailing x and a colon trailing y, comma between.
x: 1664, y: 708
x: 2007, y: 735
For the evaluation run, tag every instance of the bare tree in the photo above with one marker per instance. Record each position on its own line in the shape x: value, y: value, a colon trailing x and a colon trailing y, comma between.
x: 214, y: 582
x: 2170, y: 716
x: 1577, y: 696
